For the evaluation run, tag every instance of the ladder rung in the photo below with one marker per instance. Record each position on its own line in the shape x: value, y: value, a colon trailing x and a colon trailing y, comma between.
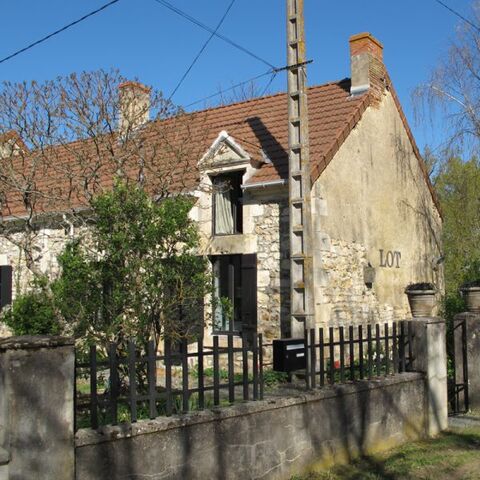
x: 297, y: 228
x: 298, y: 257
x: 299, y: 285
x: 297, y: 173
x: 295, y: 120
x: 296, y: 93
x: 296, y: 146
x: 297, y: 201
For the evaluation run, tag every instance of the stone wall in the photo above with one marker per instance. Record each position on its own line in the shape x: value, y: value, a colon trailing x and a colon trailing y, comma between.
x: 273, y: 267
x: 270, y: 439
x: 48, y: 243
x: 342, y: 289
x: 373, y: 199
x: 36, y: 408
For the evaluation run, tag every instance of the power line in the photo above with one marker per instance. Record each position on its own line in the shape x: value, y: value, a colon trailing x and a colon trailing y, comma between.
x: 211, y: 30
x: 273, y: 71
x: 233, y: 87
x: 66, y: 27
x: 466, y: 20
x: 204, y: 46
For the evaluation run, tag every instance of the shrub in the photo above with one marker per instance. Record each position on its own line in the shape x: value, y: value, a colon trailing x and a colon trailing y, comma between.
x: 32, y: 313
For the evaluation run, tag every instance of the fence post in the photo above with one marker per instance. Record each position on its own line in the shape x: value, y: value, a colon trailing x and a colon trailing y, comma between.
x: 37, y: 408
x: 428, y: 338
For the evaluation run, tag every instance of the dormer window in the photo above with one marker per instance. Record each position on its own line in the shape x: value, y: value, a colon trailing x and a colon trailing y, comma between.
x: 227, y: 203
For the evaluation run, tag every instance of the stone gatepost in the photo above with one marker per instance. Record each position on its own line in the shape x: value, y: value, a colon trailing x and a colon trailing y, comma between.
x: 430, y: 358
x: 471, y: 337
x: 36, y: 408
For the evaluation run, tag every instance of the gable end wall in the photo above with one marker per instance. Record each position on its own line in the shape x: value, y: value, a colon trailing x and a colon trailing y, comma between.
x: 373, y: 197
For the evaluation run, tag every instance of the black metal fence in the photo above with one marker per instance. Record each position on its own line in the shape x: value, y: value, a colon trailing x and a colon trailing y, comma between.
x: 344, y: 354
x: 457, y: 368
x: 131, y: 383
x: 123, y: 384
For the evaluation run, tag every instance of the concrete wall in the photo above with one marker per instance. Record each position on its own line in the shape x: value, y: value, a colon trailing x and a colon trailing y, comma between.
x: 373, y: 199
x: 270, y: 439
x: 36, y: 408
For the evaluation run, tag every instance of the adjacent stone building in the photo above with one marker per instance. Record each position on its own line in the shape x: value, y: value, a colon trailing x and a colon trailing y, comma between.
x: 376, y: 218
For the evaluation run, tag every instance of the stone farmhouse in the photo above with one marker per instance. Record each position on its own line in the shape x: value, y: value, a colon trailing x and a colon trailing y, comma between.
x: 377, y: 223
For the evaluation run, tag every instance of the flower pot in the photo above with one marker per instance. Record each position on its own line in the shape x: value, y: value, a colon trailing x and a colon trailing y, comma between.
x: 422, y: 302
x: 472, y: 298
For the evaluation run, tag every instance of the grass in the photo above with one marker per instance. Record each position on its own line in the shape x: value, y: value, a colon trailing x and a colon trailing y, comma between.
x: 454, y: 455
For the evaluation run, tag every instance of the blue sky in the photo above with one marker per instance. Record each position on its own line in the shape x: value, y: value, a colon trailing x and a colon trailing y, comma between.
x: 143, y: 39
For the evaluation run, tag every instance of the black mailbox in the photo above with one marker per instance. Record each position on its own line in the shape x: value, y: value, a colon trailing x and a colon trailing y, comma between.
x: 289, y: 355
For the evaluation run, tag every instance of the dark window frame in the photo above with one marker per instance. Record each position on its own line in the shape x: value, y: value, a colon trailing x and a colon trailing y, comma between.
x: 237, y: 175
x: 243, y: 289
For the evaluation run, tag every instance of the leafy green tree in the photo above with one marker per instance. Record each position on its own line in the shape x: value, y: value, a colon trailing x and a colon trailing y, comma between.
x: 458, y: 187
x: 135, y: 273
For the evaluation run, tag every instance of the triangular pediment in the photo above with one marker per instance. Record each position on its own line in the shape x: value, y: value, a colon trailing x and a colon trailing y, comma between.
x: 224, y: 151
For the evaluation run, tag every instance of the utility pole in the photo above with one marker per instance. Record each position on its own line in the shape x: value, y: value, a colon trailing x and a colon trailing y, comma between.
x: 302, y: 304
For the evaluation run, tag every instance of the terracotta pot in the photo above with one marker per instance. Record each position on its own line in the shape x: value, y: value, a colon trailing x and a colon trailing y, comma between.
x: 472, y: 298
x: 422, y: 302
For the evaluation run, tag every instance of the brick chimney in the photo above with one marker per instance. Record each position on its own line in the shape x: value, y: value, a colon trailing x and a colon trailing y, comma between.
x: 134, y: 99
x: 367, y: 68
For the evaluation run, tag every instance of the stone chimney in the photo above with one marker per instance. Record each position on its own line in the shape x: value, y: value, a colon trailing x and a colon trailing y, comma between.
x: 134, y: 106
x: 368, y: 71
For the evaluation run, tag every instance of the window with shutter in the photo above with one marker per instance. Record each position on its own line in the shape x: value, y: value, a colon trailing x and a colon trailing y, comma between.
x: 5, y: 285
x: 235, y: 280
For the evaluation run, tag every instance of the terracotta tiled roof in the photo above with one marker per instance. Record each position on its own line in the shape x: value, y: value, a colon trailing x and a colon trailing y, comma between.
x: 177, y: 144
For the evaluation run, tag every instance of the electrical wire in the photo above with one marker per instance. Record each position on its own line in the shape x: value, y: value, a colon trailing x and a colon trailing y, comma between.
x: 247, y: 114
x: 466, y: 20
x: 66, y: 27
x: 204, y: 46
x: 272, y: 71
x: 193, y: 20
x: 233, y: 87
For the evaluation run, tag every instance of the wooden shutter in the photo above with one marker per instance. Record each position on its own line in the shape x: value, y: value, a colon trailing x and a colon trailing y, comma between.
x: 249, y: 293
x: 5, y: 285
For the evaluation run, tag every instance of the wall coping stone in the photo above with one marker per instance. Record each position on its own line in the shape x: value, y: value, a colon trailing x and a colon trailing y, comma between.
x: 467, y: 316
x: 426, y: 320
x: 26, y: 342
x: 87, y: 436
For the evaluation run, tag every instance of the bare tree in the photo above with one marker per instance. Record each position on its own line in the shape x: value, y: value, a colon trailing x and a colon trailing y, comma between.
x: 64, y: 141
x: 451, y: 96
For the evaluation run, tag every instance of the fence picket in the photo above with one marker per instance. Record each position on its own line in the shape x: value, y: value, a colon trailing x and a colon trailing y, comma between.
x: 132, y: 380
x: 245, y: 366
x: 168, y: 376
x: 152, y: 379
x: 351, y: 352
x: 331, y: 345
x: 360, y: 352
x: 322, y: 357
x: 378, y: 358
x: 387, y: 349
x: 342, y: 353
x: 395, y: 348
x: 260, y: 368
x: 216, y: 373
x: 113, y: 398
x: 93, y: 387
x: 200, y: 370
x: 313, y: 359
x: 185, y: 393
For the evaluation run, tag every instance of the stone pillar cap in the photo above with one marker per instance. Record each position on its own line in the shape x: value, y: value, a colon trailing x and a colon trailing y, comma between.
x: 25, y: 342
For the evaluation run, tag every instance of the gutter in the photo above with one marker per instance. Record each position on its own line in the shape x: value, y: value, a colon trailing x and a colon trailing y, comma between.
x: 271, y: 183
